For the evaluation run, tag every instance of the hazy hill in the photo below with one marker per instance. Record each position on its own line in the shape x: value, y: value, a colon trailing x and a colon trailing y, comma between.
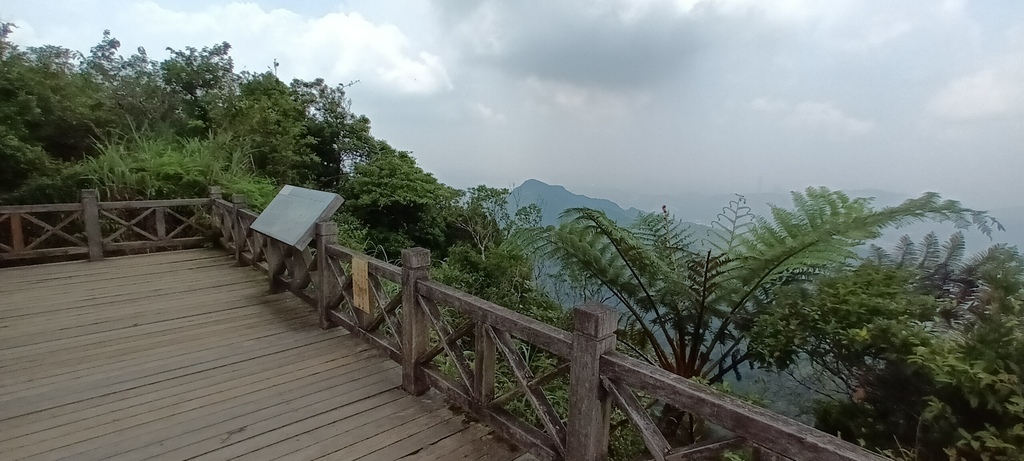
x: 554, y: 199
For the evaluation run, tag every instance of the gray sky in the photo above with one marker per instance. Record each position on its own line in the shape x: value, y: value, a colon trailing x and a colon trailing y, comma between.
x: 653, y: 96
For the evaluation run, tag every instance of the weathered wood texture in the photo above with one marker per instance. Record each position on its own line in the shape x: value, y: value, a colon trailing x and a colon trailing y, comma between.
x: 90, y: 228
x: 430, y: 341
x: 180, y: 355
x: 594, y: 328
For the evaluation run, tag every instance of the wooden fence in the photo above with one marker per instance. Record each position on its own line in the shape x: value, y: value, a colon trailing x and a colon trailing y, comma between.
x: 91, y: 228
x: 456, y: 343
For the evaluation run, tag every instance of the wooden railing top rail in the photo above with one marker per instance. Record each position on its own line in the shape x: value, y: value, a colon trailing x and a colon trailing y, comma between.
x: 40, y: 208
x: 153, y: 203
x: 136, y: 204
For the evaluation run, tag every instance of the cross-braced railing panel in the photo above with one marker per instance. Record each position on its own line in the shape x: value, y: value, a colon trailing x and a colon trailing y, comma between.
x: 381, y: 319
x: 448, y: 345
x: 635, y: 420
x: 94, y: 228
x: 154, y: 223
x: 42, y: 232
x: 536, y: 405
x: 510, y: 367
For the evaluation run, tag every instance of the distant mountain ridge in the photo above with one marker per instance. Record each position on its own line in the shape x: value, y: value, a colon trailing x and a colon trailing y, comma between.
x: 702, y: 209
x: 554, y: 199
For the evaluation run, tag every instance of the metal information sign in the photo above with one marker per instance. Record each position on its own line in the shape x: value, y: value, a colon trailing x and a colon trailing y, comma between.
x: 361, y: 294
x: 292, y: 216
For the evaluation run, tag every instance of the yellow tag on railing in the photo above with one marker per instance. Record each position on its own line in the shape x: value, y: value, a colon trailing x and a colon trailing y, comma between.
x: 361, y: 293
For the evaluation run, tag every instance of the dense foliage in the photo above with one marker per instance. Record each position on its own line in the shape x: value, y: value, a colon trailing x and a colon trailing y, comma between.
x: 902, y: 348
x: 916, y: 350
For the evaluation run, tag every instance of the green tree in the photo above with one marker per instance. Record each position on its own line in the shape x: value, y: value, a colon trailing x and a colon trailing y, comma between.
x: 266, y: 117
x: 483, y: 217
x: 918, y: 382
x: 338, y: 138
x: 844, y: 324
x: 47, y: 103
x: 976, y: 404
x: 49, y: 113
x: 201, y: 78
x: 133, y: 89
x: 493, y: 258
x: 400, y: 204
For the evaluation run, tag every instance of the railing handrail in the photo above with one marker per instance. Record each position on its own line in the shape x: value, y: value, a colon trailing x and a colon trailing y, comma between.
x: 293, y: 269
x: 108, y: 205
x: 40, y: 208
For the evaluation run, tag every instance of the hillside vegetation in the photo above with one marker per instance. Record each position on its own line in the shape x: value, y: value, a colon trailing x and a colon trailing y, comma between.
x: 915, y: 351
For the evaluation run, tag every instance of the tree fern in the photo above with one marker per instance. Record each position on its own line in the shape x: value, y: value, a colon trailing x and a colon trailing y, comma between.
x: 689, y: 309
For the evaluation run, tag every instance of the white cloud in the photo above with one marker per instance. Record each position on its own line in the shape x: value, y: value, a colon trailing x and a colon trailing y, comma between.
x: 879, y: 32
x: 954, y: 6
x: 344, y: 46
x: 767, y: 105
x: 780, y: 11
x: 813, y: 116
x: 487, y: 113
x: 339, y: 46
x: 992, y: 92
x: 539, y: 83
x: 825, y: 116
x: 580, y: 100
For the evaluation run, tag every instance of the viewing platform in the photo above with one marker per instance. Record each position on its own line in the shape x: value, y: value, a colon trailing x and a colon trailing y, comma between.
x: 239, y: 345
x: 184, y: 355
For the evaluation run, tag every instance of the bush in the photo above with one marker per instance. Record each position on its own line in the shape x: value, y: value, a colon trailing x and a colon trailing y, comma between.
x: 156, y: 167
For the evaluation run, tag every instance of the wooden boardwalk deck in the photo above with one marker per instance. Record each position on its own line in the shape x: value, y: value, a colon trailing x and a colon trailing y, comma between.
x: 180, y: 355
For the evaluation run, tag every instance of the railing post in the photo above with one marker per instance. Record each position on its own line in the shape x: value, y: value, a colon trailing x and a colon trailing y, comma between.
x: 17, y: 235
x: 91, y: 217
x: 238, y: 202
x: 326, y: 234
x: 415, y: 331
x: 215, y: 194
x: 161, y: 223
x: 594, y: 328
x: 483, y: 365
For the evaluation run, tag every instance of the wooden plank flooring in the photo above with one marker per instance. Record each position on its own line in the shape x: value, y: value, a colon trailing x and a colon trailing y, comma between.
x: 181, y: 355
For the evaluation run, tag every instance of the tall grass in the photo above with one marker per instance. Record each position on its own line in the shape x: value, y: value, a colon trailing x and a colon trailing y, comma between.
x: 147, y: 166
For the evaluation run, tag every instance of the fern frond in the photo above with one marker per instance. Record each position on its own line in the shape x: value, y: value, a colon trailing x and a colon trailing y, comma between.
x: 878, y: 255
x: 929, y: 255
x: 734, y: 220
x: 905, y: 254
x: 953, y: 250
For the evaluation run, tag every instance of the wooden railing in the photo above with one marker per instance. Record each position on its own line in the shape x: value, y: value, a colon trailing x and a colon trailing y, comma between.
x: 456, y: 343
x: 91, y: 228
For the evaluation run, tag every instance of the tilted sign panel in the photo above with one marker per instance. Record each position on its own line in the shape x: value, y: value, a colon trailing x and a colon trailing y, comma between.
x: 292, y: 216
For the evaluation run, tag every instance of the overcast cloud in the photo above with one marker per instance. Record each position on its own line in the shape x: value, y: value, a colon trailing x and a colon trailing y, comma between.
x: 656, y: 96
